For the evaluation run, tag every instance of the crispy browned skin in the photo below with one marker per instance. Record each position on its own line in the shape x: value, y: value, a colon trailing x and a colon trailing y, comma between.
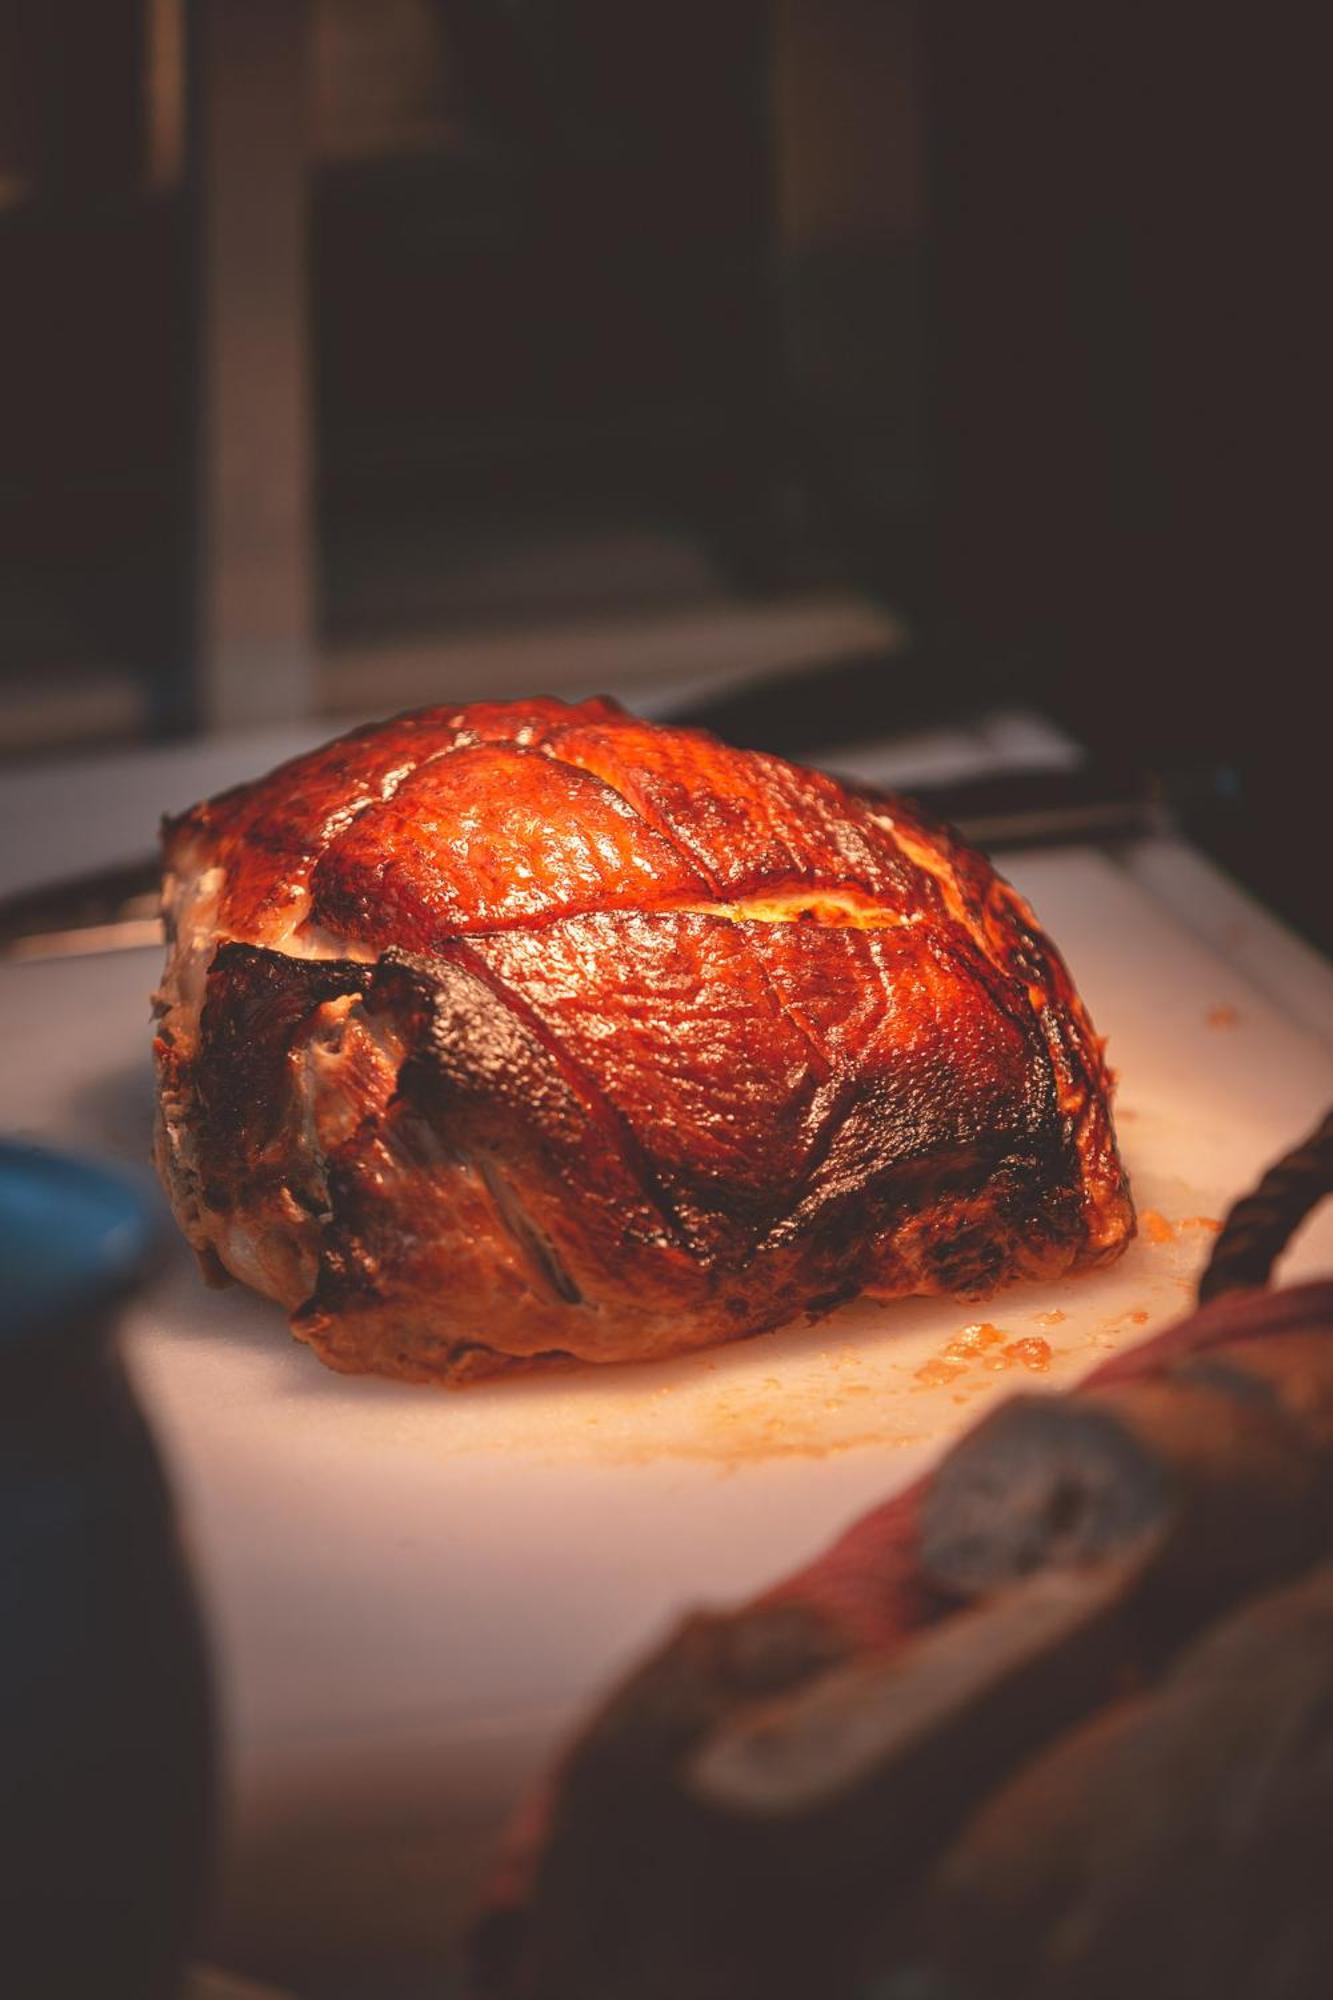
x: 523, y: 1030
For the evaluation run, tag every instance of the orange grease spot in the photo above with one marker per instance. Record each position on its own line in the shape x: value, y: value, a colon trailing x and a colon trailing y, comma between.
x: 1208, y: 1222
x: 971, y: 1341
x: 1155, y: 1227
x: 1056, y: 1318
x: 934, y: 1374
x: 1222, y: 1016
x: 1032, y: 1352
x: 987, y: 1345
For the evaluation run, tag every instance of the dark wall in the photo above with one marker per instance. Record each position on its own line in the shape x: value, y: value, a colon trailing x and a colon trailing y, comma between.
x: 1126, y: 221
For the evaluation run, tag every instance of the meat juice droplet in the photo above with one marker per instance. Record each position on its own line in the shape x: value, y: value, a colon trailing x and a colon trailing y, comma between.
x: 1032, y: 1353
x: 973, y: 1340
x: 965, y: 1347
x: 941, y: 1370
x: 986, y: 1345
x: 983, y: 1345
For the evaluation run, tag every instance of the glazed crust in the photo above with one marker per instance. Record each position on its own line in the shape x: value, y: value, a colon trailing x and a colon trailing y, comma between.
x: 522, y: 1031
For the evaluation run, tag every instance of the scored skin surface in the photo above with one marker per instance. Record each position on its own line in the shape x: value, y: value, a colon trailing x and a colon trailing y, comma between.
x: 528, y: 1031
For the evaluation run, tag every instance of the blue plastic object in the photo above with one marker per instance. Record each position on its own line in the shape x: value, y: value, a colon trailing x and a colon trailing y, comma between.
x: 74, y: 1237
x: 106, y: 1735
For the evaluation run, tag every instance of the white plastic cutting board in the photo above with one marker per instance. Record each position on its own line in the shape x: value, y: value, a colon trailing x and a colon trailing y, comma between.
x: 412, y: 1592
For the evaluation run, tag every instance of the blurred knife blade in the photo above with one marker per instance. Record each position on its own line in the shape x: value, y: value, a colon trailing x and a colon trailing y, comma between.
x: 108, y: 909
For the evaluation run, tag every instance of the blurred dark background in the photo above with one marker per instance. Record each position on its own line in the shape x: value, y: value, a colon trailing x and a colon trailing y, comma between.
x: 359, y: 354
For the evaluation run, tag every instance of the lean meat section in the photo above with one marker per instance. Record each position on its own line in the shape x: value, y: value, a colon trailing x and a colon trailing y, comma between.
x: 526, y: 1031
